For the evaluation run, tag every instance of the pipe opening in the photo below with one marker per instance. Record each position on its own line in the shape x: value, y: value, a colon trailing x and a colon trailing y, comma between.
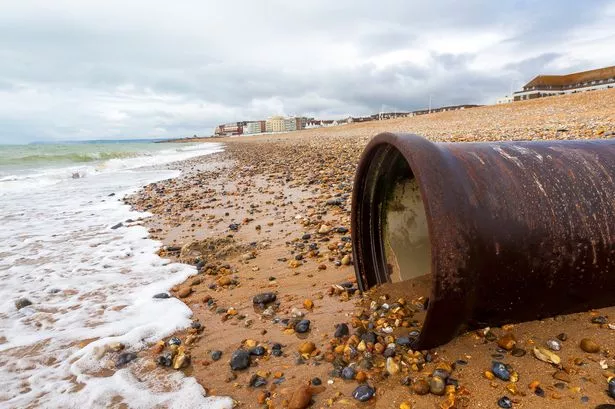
x: 401, y: 247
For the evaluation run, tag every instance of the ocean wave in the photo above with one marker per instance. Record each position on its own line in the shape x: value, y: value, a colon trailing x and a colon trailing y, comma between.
x: 75, y: 157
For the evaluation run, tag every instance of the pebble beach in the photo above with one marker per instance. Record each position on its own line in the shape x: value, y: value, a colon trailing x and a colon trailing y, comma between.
x: 277, y: 319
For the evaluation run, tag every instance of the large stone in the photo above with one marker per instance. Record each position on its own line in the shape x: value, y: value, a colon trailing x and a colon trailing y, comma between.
x: 240, y: 360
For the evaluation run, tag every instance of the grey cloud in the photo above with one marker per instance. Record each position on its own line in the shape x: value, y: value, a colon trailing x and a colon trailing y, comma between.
x: 131, y: 68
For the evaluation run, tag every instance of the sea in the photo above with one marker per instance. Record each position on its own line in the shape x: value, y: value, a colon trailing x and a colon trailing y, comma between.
x: 83, y: 260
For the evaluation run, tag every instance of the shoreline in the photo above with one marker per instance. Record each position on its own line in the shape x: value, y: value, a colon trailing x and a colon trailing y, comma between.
x: 248, y: 216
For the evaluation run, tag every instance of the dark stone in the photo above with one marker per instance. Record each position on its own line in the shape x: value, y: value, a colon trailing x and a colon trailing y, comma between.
x: 174, y: 341
x: 611, y: 388
x: 240, y: 360
x: 539, y: 392
x: 497, y: 356
x: 196, y: 325
x: 162, y: 295
x: 348, y: 373
x: 124, y: 358
x: 258, y: 350
x: 117, y: 226
x: 233, y: 226
x: 403, y: 341
x: 316, y: 381
x: 342, y: 230
x: 174, y: 249
x: 562, y: 337
x: 306, y: 236
x: 363, y: 393
x: 490, y: 336
x: 257, y: 381
x: 216, y: 355
x: 389, y: 353
x: 264, y: 298
x: 276, y: 350
x: 302, y: 326
x: 461, y: 362
x: 605, y: 406
x: 441, y: 373
x: 165, y: 359
x: 369, y: 337
x: 601, y: 319
x: 584, y: 399
x: 500, y: 371
x: 341, y: 330
x: 518, y: 352
x: 505, y: 402
x: 22, y: 302
x: 336, y: 201
x: 405, y: 381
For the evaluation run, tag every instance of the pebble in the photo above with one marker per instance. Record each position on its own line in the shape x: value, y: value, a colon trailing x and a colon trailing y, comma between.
x: 562, y: 336
x: 589, y: 346
x: 437, y: 385
x: 257, y: 381
x: 518, y: 352
x: 601, y: 319
x: 611, y: 388
x: 216, y: 355
x: 300, y: 397
x: 545, y: 355
x: 505, y: 402
x: 258, y: 350
x: 561, y: 376
x: 348, y: 373
x: 162, y: 296
x: 420, y: 387
x: 276, y: 349
x: 500, y: 371
x: 165, y: 359
x: 392, y: 366
x: 302, y: 326
x: 316, y: 381
x: 507, y: 341
x: 363, y: 393
x: 405, y: 405
x: 307, y: 347
x: 341, y: 330
x: 124, y: 358
x: 554, y: 345
x: 22, y: 302
x: 184, y: 292
x: 240, y: 360
x: 174, y: 341
x: 264, y: 298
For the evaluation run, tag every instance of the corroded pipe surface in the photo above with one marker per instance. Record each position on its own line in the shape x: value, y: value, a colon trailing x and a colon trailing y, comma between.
x: 509, y: 231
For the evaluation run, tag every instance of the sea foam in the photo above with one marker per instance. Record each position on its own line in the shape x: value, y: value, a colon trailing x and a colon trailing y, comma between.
x: 90, y: 286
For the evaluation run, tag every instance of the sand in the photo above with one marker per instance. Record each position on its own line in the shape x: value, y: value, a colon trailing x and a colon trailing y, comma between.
x: 244, y: 211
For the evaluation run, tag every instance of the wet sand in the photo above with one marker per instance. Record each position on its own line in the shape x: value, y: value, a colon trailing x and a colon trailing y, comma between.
x: 246, y: 214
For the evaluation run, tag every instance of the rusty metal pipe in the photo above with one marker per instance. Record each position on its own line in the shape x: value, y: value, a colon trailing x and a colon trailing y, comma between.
x: 509, y: 231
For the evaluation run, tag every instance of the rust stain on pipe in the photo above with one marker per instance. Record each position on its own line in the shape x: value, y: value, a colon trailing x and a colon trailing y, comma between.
x: 515, y: 231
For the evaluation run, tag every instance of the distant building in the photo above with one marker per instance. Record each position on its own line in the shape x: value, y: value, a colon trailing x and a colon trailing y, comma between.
x: 275, y: 124
x: 285, y: 124
x: 548, y: 85
x: 254, y: 127
x: 506, y: 99
x: 230, y: 129
x: 443, y: 109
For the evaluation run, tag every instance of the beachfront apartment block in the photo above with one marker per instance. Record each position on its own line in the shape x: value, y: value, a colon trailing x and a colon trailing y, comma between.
x: 549, y: 85
x: 254, y: 127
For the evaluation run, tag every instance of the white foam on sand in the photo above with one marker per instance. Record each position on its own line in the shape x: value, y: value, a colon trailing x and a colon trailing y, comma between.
x: 88, y: 282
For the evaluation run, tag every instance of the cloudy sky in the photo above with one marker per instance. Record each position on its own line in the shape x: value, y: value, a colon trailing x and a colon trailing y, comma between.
x: 89, y: 69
